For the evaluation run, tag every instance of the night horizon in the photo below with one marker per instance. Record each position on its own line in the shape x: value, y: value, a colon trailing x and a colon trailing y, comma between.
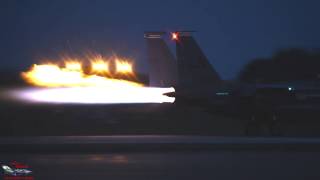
x: 230, y: 33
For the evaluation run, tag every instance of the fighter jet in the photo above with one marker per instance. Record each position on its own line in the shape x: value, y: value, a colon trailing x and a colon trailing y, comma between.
x: 197, y: 83
x: 191, y: 74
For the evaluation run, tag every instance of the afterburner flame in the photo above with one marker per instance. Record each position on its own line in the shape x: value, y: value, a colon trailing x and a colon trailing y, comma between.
x: 123, y: 67
x: 95, y: 95
x: 72, y: 75
x: 99, y: 65
x: 101, y: 82
x: 73, y: 66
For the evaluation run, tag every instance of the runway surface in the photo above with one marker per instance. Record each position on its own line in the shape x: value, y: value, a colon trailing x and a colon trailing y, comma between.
x: 221, y: 165
x: 159, y: 143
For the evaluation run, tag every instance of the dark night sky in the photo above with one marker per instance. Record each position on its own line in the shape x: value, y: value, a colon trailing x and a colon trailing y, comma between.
x: 231, y: 32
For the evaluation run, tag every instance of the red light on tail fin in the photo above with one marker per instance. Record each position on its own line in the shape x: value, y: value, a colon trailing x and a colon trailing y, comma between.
x: 175, y: 36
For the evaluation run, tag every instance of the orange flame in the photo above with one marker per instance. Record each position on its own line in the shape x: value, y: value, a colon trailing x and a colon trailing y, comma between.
x: 73, y: 65
x: 72, y: 83
x: 99, y: 65
x: 123, y: 67
x: 72, y: 75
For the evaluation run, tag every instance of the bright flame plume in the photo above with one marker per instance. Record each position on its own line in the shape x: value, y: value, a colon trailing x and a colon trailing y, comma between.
x: 123, y: 67
x: 73, y: 66
x: 95, y: 95
x: 71, y: 84
x: 99, y: 65
x: 72, y: 75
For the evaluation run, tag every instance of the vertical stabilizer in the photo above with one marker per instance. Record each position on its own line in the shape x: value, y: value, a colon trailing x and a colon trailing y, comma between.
x: 196, y: 74
x: 162, y: 63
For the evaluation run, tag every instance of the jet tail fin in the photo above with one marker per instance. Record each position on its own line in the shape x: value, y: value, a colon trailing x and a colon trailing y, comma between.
x: 195, y: 71
x: 162, y: 63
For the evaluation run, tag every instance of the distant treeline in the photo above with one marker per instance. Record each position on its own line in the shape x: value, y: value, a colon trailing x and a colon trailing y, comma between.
x: 285, y: 65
